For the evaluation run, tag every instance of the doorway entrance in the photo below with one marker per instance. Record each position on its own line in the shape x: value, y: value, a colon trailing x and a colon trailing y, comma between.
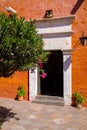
x: 53, y: 84
x: 57, y: 35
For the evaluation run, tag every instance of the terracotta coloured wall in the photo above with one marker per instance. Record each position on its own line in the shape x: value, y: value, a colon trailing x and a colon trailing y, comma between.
x: 36, y: 9
x: 9, y: 86
x: 79, y: 57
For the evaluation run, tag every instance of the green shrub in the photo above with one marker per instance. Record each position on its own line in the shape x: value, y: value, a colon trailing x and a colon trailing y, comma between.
x: 79, y: 98
x: 20, y: 45
x: 21, y: 91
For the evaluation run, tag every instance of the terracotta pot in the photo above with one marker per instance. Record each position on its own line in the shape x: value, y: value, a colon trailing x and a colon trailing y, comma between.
x: 21, y: 98
x: 78, y: 105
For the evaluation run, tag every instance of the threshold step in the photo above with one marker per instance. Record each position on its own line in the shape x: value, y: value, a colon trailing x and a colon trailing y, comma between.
x: 50, y: 97
x: 49, y: 100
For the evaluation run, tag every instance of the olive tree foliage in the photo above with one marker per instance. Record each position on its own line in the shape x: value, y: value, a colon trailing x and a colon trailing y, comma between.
x: 20, y: 46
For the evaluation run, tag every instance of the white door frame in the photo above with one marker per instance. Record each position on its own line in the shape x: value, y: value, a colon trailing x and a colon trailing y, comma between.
x: 57, y: 35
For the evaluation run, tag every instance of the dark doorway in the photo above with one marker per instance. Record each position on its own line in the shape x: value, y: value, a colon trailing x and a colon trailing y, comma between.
x: 53, y: 84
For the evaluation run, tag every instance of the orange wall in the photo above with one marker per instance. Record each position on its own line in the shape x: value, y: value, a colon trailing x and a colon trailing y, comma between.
x: 9, y: 86
x: 36, y: 9
x: 79, y: 55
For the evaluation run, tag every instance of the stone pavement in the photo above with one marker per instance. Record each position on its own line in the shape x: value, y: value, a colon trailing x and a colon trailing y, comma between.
x: 24, y: 115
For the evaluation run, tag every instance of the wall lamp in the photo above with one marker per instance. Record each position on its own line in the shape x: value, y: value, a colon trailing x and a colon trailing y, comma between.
x: 49, y: 14
x: 83, y: 39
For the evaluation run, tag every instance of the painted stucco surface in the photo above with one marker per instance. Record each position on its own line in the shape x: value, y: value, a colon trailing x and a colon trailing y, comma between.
x: 9, y: 86
x: 79, y: 57
x: 36, y: 9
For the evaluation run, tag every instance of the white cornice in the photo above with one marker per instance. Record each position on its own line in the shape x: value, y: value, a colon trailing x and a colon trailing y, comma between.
x: 70, y: 17
x: 56, y: 32
x: 67, y: 51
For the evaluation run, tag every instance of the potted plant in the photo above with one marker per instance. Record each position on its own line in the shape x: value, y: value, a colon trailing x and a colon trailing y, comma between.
x: 21, y: 92
x: 79, y: 99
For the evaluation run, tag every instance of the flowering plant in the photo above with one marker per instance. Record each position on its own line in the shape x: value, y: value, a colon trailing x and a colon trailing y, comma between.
x: 42, y: 71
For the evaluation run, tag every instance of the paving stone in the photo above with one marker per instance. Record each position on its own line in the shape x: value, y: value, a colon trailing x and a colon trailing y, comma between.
x: 36, y: 129
x: 72, y: 128
x: 59, y: 121
x: 17, y: 128
x: 30, y: 116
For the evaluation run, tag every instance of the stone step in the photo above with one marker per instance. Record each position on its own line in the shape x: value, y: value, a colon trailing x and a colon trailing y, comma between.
x: 45, y: 97
x: 49, y: 100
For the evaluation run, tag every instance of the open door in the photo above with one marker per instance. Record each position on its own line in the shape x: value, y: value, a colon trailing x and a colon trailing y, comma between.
x: 53, y: 84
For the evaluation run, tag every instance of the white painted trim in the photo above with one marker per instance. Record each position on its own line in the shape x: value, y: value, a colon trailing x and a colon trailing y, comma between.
x: 33, y: 83
x: 67, y: 77
x: 62, y: 18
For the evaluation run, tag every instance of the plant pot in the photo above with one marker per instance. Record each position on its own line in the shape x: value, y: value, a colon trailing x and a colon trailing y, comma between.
x: 20, y: 98
x: 78, y: 105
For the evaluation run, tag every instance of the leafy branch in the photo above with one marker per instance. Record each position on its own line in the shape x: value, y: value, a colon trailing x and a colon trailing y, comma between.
x: 20, y: 45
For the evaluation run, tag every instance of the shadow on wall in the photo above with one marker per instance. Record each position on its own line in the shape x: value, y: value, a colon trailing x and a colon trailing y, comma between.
x: 67, y: 63
x: 77, y: 5
x: 6, y: 115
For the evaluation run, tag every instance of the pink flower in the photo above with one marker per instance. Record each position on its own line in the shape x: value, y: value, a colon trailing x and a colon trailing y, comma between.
x: 43, y: 75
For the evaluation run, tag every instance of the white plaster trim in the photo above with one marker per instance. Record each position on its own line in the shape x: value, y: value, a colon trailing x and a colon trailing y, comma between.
x: 67, y: 52
x: 33, y: 81
x: 68, y: 18
x: 67, y: 76
x: 56, y: 34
